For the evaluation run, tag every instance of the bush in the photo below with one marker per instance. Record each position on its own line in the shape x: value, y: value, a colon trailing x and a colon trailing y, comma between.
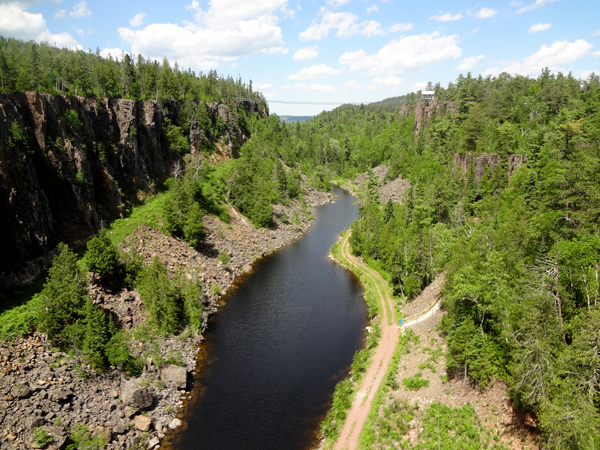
x: 224, y: 257
x: 415, y: 383
x: 102, y: 256
x: 72, y: 122
x: 41, y: 436
x: 193, y: 229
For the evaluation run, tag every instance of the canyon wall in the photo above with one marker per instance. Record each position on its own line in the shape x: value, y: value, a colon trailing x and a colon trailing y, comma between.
x: 69, y: 164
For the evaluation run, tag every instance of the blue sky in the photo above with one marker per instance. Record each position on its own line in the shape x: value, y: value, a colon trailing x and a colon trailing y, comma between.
x: 327, y: 50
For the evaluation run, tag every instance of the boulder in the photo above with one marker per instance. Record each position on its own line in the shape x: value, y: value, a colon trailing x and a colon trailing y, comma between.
x: 103, y: 433
x: 20, y: 391
x: 175, y: 423
x: 142, y: 398
x: 60, y: 394
x: 132, y: 394
x: 34, y: 422
x: 142, y: 423
x: 174, y: 377
x: 153, y: 442
x: 58, y: 434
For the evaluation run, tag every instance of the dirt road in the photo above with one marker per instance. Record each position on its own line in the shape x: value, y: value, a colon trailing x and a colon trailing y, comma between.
x: 383, y: 355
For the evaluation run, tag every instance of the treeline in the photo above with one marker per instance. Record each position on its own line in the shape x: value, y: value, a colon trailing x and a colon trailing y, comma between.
x: 521, y: 253
x: 29, y: 66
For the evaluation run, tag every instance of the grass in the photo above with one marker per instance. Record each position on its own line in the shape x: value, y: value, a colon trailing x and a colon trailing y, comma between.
x: 149, y: 213
x: 18, y: 312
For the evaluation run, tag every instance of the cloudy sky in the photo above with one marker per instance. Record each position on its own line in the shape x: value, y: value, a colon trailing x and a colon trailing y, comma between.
x: 327, y: 50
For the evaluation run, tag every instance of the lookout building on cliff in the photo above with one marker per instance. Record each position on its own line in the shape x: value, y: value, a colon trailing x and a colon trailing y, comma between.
x: 427, y: 95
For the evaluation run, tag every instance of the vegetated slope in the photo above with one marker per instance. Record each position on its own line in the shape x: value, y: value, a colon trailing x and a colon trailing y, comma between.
x: 504, y: 194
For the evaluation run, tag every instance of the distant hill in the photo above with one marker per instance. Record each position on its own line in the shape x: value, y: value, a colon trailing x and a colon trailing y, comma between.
x: 294, y: 118
x: 391, y: 101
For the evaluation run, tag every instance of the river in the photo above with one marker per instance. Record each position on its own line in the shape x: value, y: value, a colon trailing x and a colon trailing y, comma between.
x: 284, y: 337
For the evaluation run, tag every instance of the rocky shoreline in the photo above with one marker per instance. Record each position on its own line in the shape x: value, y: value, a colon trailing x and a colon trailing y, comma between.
x: 46, y: 388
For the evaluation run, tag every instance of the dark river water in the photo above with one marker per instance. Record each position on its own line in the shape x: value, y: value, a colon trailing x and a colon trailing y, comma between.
x: 276, y: 349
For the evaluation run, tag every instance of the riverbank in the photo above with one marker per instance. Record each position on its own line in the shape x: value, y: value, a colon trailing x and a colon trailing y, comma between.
x: 49, y: 394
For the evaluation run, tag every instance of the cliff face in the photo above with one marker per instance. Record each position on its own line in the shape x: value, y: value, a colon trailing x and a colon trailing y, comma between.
x: 424, y: 110
x: 481, y: 160
x: 68, y: 162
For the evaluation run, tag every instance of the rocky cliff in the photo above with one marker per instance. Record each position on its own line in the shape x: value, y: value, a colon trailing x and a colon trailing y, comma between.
x: 482, y: 160
x: 424, y: 110
x: 67, y: 163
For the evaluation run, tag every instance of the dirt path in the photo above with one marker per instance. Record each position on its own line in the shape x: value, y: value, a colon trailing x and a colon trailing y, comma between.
x: 361, y: 405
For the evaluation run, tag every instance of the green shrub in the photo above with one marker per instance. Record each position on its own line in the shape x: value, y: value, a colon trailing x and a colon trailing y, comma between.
x: 415, y: 383
x: 83, y: 440
x: 41, y: 436
x: 102, y: 256
x: 223, y: 257
x: 175, y: 359
x: 193, y: 229
x: 72, y: 122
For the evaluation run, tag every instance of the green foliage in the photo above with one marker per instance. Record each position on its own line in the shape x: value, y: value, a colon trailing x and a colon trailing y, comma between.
x: 415, y: 382
x: 176, y: 141
x: 28, y: 66
x: 101, y: 256
x: 63, y: 296
x: 83, y: 440
x: 41, y: 436
x: 16, y: 134
x: 223, y: 257
x: 72, y: 122
x: 162, y: 301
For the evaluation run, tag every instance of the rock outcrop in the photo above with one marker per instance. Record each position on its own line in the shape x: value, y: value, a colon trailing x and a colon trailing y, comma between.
x: 482, y: 160
x: 424, y: 110
x: 68, y: 163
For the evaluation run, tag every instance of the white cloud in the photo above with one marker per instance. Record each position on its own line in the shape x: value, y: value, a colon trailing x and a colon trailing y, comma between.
x: 313, y: 72
x: 401, y: 27
x: 595, y: 33
x: 539, y: 27
x: 537, y: 4
x: 79, y: 31
x: 262, y: 86
x: 137, y: 20
x: 390, y: 81
x: 351, y: 84
x: 486, y: 13
x: 553, y: 57
x: 317, y: 88
x: 475, y: 30
x: 337, y: 2
x: 80, y: 10
x: 61, y: 13
x: 469, y: 63
x: 18, y: 23
x: 419, y: 86
x: 408, y: 53
x: 345, y: 23
x: 372, y: 8
x: 115, y: 53
x: 596, y: 54
x: 227, y: 30
x: 303, y: 54
x: 447, y: 17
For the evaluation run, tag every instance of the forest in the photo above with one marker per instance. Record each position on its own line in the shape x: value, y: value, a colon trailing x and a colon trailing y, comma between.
x: 40, y: 67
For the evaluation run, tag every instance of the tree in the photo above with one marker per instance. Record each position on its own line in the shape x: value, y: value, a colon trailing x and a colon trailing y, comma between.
x: 102, y: 257
x: 63, y: 296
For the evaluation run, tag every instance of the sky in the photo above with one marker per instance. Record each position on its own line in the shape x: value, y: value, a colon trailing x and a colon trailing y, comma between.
x: 326, y: 51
